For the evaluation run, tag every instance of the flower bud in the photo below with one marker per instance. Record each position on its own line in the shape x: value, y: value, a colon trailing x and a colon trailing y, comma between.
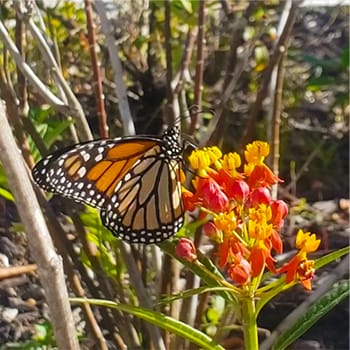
x: 239, y: 271
x: 279, y: 212
x: 185, y: 249
x: 260, y: 195
x: 211, y: 230
x: 214, y: 198
x: 238, y: 190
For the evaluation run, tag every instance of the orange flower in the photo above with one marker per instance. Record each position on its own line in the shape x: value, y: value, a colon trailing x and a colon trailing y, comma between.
x: 244, y: 220
x: 262, y: 176
x: 189, y: 200
x: 239, y: 270
x: 300, y: 268
x: 260, y: 257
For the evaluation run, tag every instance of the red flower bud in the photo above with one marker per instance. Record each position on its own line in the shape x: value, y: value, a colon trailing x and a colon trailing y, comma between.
x: 213, y: 197
x: 260, y: 195
x: 210, y: 230
x: 238, y: 190
x: 279, y: 212
x: 240, y: 270
x: 185, y: 249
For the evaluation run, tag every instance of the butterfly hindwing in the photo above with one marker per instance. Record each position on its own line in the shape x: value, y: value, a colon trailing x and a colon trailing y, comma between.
x: 146, y: 206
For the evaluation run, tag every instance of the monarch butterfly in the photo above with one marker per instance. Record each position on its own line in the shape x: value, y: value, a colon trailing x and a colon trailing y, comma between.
x: 134, y: 181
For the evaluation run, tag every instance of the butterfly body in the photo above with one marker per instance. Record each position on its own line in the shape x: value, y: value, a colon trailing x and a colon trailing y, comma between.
x: 134, y: 181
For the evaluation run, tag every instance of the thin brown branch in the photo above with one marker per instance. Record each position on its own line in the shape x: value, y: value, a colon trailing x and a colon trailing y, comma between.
x: 274, y: 58
x: 234, y: 70
x: 22, y: 95
x: 99, y: 97
x: 185, y: 61
x: 13, y: 271
x: 170, y: 111
x: 276, y: 121
x: 141, y: 292
x: 198, y: 82
x: 49, y: 264
x: 105, y: 283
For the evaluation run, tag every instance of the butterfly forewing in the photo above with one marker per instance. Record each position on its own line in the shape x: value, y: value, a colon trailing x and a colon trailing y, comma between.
x: 135, y: 182
x: 89, y: 172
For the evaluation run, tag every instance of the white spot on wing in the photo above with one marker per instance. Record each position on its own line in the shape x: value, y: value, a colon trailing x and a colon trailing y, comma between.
x: 82, y: 171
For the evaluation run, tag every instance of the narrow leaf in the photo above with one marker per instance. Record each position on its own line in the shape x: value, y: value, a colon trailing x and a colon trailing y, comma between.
x: 321, y: 307
x: 162, y: 321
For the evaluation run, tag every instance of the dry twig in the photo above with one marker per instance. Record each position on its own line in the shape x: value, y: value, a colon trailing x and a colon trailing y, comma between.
x: 49, y: 264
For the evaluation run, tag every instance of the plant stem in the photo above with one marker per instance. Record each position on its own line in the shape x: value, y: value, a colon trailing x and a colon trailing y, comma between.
x: 249, y: 323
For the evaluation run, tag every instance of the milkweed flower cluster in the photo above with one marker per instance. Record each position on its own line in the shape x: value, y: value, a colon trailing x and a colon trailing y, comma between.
x: 244, y: 220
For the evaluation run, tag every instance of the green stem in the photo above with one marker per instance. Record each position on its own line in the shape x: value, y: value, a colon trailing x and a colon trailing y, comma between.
x: 250, y: 327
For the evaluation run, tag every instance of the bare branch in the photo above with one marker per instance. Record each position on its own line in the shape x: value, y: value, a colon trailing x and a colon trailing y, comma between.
x: 49, y: 264
x: 121, y: 91
x: 68, y: 96
x: 198, y: 83
x: 30, y: 75
x: 101, y: 112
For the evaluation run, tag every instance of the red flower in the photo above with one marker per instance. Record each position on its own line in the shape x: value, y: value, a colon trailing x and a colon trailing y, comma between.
x: 240, y: 270
x: 211, y: 230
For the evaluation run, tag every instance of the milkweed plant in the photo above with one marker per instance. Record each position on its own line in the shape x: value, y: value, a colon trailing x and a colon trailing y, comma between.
x: 232, y: 204
x: 244, y: 222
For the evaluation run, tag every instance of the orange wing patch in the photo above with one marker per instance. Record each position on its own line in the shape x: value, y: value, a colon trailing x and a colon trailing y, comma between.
x: 118, y: 161
x: 127, y: 150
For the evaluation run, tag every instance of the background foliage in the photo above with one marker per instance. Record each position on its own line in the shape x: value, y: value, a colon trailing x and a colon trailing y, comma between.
x: 158, y: 49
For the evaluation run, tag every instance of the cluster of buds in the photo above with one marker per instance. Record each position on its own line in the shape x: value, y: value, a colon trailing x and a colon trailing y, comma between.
x: 243, y: 219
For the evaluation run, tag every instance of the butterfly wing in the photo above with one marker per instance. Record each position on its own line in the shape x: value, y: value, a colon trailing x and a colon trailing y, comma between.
x: 134, y: 181
x: 89, y: 172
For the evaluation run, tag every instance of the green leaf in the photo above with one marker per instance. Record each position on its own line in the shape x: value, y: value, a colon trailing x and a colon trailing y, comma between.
x: 191, y: 292
x: 345, y: 58
x: 327, y: 259
x: 6, y: 194
x: 321, y: 307
x: 181, y: 5
x: 55, y: 131
x: 160, y: 320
